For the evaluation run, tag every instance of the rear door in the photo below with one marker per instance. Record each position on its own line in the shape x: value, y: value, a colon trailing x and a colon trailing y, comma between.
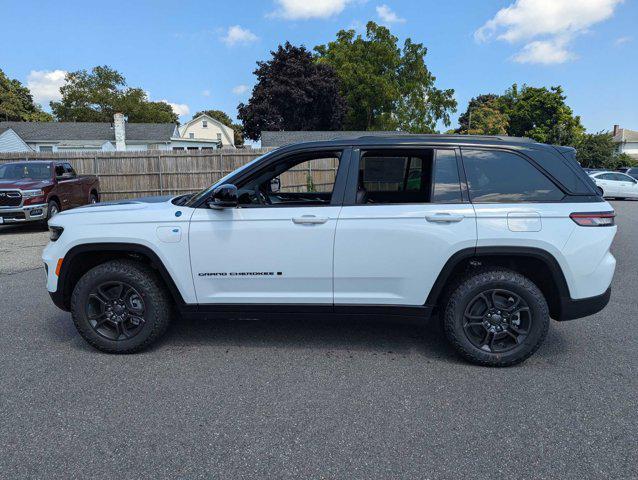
x: 404, y: 215
x: 607, y: 181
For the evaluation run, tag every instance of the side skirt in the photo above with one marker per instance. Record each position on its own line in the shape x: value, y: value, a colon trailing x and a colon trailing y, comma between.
x: 273, y: 311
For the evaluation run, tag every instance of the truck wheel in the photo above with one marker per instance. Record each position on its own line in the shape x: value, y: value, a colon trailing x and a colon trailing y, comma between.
x: 120, y: 306
x: 496, y: 318
x: 53, y: 208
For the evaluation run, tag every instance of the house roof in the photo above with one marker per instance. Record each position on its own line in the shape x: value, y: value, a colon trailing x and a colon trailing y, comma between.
x: 279, y: 139
x: 69, y: 131
x: 626, y: 135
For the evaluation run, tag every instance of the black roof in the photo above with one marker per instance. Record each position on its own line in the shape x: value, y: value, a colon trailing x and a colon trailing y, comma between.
x: 68, y: 131
x: 408, y: 140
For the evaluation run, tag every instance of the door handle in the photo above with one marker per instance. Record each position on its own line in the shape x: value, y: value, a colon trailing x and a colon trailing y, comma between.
x: 309, y: 220
x: 444, y: 218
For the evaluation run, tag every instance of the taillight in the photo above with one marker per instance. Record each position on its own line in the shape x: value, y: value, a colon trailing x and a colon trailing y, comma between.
x: 594, y: 219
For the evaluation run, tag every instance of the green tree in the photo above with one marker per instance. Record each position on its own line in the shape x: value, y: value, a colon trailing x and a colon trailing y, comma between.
x: 97, y: 95
x: 16, y: 102
x: 597, y: 150
x: 484, y: 116
x: 541, y: 114
x: 222, y: 117
x: 386, y: 87
x: 292, y: 92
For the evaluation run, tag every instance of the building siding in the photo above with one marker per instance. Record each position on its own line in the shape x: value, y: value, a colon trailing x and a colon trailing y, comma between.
x: 11, y: 142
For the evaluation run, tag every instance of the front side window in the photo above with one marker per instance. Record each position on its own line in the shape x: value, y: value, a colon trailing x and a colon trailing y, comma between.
x: 496, y: 176
x: 420, y: 176
x: 299, y: 180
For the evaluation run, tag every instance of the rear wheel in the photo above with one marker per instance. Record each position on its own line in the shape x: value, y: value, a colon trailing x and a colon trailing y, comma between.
x: 496, y: 318
x: 120, y: 307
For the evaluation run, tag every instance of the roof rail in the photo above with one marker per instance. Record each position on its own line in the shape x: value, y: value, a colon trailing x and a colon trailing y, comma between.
x: 504, y: 138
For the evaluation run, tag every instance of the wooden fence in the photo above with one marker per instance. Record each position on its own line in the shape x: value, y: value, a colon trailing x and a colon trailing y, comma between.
x: 139, y: 174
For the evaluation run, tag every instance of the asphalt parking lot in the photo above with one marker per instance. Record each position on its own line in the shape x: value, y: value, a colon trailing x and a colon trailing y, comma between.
x: 307, y: 399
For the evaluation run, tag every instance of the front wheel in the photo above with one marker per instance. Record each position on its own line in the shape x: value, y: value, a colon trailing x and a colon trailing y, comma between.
x: 496, y: 318
x: 120, y: 307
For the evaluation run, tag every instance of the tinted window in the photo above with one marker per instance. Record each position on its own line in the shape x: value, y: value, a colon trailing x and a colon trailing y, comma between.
x: 498, y: 176
x: 59, y: 170
x: 606, y: 176
x: 397, y: 178
x: 447, y: 187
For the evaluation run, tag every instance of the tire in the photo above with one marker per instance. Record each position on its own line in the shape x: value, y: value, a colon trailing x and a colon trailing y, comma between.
x: 125, y: 320
x: 53, y: 208
x: 496, y: 318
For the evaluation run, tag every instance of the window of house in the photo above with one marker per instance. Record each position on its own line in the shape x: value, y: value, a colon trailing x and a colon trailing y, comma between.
x: 497, y: 176
x: 204, y: 123
x: 297, y: 180
x: 420, y: 176
x: 191, y: 135
x: 45, y: 148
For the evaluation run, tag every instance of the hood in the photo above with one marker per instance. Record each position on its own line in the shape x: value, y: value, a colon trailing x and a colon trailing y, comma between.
x: 24, y: 184
x: 138, y: 210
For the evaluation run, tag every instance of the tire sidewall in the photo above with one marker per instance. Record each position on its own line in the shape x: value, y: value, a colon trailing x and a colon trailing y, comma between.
x: 528, y: 292
x: 139, y: 280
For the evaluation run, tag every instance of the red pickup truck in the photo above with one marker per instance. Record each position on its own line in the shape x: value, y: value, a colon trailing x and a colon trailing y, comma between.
x: 32, y: 191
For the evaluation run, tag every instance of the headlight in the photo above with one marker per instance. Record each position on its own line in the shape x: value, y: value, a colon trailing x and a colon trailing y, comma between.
x: 32, y: 193
x: 55, y: 233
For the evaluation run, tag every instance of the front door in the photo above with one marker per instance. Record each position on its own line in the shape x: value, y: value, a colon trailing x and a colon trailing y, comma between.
x: 407, y: 215
x: 277, y: 246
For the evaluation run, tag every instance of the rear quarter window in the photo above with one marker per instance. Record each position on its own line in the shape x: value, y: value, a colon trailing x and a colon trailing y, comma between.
x: 497, y: 176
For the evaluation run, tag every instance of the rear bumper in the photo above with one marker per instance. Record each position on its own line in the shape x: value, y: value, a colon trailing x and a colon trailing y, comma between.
x: 28, y: 213
x: 571, y: 309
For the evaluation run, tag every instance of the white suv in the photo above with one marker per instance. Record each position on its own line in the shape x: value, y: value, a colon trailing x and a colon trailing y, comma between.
x: 494, y: 234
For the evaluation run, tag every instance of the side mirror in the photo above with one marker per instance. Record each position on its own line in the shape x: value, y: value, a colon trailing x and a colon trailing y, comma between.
x: 275, y: 185
x: 224, y: 196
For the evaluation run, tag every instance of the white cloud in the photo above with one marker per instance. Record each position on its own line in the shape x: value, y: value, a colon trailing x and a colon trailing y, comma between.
x: 206, y: 93
x: 45, y: 85
x: 545, y: 52
x: 547, y: 26
x: 622, y: 40
x: 237, y: 35
x: 306, y: 9
x: 240, y: 89
x: 387, y: 15
x: 179, y: 108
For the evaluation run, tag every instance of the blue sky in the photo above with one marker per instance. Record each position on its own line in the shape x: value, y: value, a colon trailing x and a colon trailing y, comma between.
x: 201, y: 54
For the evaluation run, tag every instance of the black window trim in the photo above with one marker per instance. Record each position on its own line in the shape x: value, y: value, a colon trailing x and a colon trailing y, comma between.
x: 350, y: 199
x: 534, y: 164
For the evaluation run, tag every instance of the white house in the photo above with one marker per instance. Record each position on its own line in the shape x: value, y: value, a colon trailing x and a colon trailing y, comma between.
x: 89, y: 136
x: 204, y: 127
x: 626, y: 140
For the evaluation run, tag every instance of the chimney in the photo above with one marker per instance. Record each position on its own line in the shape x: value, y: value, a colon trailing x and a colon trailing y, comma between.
x: 119, y: 125
x: 616, y: 129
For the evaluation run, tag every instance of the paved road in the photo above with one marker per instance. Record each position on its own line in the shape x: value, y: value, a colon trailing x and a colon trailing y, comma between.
x: 317, y: 400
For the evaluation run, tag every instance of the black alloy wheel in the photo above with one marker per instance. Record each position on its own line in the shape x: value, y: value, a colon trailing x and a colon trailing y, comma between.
x: 115, y: 310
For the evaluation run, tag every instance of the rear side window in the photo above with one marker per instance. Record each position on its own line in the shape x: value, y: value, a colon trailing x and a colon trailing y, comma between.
x: 495, y: 176
x: 447, y: 187
x: 420, y: 176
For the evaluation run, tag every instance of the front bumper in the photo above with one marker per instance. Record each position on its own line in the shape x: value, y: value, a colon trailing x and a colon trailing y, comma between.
x: 27, y: 213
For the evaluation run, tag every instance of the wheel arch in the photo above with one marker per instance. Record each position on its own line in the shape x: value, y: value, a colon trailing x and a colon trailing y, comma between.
x: 538, y: 265
x: 81, y: 258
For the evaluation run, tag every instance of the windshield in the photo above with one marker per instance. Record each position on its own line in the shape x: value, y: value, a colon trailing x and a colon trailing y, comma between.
x: 198, y: 196
x: 26, y: 171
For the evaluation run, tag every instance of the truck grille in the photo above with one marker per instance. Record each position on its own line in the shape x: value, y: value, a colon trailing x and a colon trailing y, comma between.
x: 10, y: 198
